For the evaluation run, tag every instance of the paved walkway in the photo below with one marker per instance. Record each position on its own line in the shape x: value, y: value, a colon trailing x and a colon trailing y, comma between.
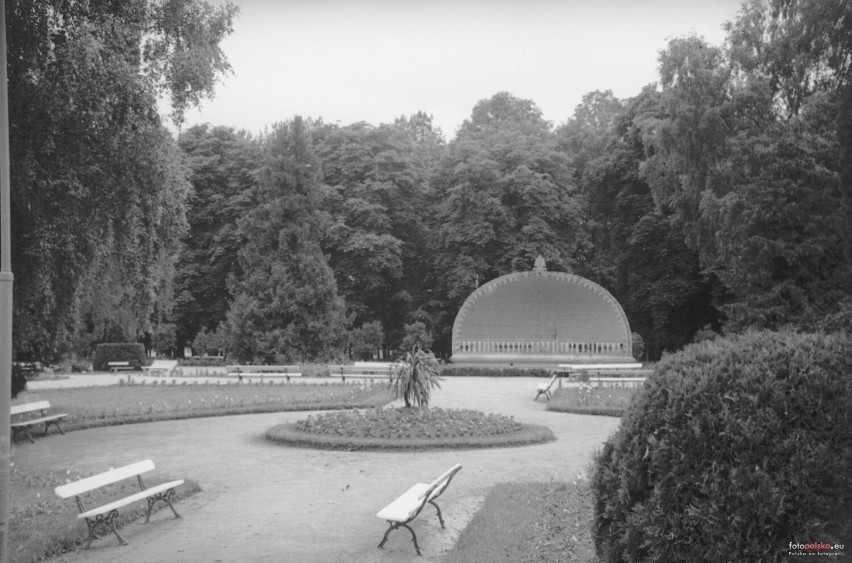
x: 265, y: 502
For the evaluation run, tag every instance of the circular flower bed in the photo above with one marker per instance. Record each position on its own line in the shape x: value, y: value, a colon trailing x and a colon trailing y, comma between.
x: 408, y: 429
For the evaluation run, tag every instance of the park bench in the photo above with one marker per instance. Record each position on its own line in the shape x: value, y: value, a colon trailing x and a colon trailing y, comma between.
x: 406, y: 507
x: 268, y: 372
x: 621, y: 374
x: 617, y: 381
x: 29, y: 369
x: 104, y: 516
x: 370, y: 370
x: 26, y: 419
x: 161, y: 367
x: 115, y: 367
x: 544, y: 388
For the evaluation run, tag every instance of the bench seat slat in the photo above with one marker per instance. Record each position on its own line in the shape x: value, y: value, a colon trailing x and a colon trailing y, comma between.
x: 131, y: 499
x: 406, y: 505
x: 32, y: 421
x: 105, y: 478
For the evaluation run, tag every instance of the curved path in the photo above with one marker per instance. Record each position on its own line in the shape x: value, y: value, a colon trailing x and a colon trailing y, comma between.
x: 266, y: 502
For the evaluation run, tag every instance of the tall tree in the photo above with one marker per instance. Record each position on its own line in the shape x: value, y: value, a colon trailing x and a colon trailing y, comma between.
x: 505, y: 195
x: 286, y: 306
x: 376, y: 180
x: 223, y: 164
x: 99, y: 189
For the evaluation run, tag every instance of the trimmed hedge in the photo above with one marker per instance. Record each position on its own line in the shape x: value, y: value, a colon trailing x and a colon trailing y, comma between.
x: 132, y: 352
x: 463, y: 371
x: 733, y: 450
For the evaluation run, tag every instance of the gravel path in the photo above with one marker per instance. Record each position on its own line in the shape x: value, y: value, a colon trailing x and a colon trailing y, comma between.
x: 266, y: 502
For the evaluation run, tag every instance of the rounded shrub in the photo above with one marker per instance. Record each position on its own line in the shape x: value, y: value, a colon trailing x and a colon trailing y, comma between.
x: 734, y: 450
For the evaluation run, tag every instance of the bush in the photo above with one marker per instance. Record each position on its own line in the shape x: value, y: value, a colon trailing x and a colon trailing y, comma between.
x: 132, y: 352
x: 638, y: 346
x: 463, y: 371
x: 734, y: 449
x: 19, y: 379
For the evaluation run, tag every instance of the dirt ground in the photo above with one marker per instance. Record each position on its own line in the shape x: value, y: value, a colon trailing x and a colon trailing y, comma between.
x: 265, y: 502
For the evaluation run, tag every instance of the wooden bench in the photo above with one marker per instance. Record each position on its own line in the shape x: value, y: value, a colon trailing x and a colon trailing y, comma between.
x: 370, y: 370
x: 29, y: 369
x: 105, y: 516
x: 25, y: 419
x: 406, y: 507
x: 544, y: 388
x: 161, y: 367
x: 617, y: 381
x: 262, y: 372
x: 115, y: 367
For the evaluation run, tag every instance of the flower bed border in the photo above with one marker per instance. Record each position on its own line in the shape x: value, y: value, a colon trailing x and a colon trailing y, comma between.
x: 286, y: 434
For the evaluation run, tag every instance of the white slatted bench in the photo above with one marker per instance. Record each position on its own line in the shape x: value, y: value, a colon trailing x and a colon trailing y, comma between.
x: 115, y: 367
x: 617, y: 381
x: 268, y: 372
x: 405, y: 508
x: 104, y: 516
x: 366, y: 370
x: 26, y: 419
x: 544, y: 388
x: 628, y: 374
x: 161, y: 367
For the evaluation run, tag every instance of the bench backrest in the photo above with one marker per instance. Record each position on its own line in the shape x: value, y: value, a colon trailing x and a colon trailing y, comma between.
x: 263, y: 368
x: 103, y: 479
x: 30, y: 407
x: 552, y: 379
x: 164, y: 364
x: 439, y: 485
x: 581, y: 367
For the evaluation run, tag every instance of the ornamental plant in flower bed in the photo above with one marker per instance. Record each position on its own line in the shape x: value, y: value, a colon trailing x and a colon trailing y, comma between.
x: 408, y: 429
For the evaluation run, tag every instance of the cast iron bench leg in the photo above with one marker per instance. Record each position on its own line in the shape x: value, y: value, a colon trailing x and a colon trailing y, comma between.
x: 401, y: 525
x: 440, y: 519
x: 107, y: 521
x: 165, y: 497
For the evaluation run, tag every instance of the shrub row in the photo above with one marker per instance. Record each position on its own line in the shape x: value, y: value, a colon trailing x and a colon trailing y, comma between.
x: 733, y: 449
x: 132, y: 352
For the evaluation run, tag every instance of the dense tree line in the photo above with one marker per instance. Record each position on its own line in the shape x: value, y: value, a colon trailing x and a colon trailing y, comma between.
x: 715, y: 200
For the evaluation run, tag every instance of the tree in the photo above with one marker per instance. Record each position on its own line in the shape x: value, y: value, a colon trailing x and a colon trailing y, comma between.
x: 286, y: 306
x: 222, y: 163
x: 99, y: 193
x: 367, y: 339
x: 778, y: 227
x: 505, y: 196
x: 376, y: 180
x: 416, y: 337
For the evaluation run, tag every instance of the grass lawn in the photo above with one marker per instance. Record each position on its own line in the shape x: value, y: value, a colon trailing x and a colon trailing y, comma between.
x: 92, y: 407
x: 43, y: 525
x: 530, y: 522
x: 606, y: 401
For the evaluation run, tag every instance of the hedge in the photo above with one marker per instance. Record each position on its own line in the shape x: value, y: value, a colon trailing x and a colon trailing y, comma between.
x: 132, y: 352
x: 734, y: 450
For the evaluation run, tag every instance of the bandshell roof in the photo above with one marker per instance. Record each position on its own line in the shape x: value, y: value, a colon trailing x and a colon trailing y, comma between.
x: 541, y: 306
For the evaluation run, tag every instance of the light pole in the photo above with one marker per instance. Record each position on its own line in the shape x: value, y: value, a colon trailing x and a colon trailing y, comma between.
x: 6, y: 279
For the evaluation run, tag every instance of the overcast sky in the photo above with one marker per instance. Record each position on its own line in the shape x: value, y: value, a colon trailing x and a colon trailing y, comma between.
x: 374, y: 60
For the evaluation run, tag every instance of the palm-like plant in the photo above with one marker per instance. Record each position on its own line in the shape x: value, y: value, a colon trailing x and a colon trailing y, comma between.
x: 414, y: 378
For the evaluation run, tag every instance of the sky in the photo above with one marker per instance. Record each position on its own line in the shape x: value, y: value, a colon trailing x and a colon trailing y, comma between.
x: 347, y: 61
